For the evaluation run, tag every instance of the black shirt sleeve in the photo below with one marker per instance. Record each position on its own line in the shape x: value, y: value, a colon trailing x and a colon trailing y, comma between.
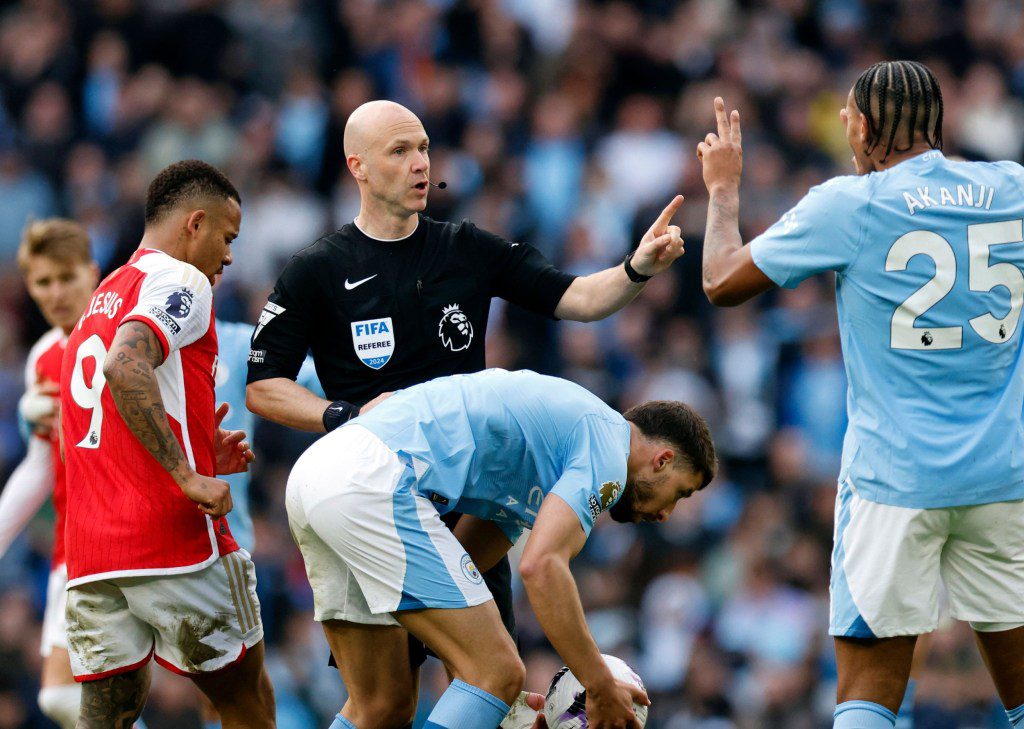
x: 520, y: 273
x: 283, y: 333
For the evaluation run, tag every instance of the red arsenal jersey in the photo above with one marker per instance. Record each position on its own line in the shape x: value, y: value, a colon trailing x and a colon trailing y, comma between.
x: 44, y: 361
x: 126, y: 515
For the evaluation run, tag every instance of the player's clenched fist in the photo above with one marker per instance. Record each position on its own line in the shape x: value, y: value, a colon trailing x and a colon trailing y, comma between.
x: 722, y: 154
x: 211, y: 495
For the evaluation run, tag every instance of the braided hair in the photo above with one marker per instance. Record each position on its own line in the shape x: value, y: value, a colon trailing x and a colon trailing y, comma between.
x: 902, y: 103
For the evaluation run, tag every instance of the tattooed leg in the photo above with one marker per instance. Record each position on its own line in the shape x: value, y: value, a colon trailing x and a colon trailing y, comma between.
x: 114, y: 702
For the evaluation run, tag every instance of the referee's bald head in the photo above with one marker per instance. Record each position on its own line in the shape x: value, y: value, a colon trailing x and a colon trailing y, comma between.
x: 375, y: 122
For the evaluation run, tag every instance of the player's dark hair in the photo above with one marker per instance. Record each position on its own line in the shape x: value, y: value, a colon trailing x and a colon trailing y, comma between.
x: 903, y: 103
x: 681, y: 427
x: 190, y: 180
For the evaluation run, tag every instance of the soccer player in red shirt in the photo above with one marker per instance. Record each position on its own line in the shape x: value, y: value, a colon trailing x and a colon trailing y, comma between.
x: 55, y: 259
x: 153, y: 570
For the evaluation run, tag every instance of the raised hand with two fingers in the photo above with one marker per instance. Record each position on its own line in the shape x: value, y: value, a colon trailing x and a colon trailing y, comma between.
x: 721, y: 155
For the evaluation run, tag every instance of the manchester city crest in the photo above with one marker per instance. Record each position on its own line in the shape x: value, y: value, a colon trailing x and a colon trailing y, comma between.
x: 455, y: 329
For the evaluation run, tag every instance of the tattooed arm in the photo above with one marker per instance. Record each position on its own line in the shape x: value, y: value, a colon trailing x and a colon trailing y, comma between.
x: 129, y: 369
x: 730, y: 274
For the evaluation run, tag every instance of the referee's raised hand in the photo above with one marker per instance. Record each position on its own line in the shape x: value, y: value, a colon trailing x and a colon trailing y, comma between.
x: 661, y: 244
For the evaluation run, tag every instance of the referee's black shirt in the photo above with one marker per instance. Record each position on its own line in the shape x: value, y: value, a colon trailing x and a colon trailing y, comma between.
x: 383, y: 315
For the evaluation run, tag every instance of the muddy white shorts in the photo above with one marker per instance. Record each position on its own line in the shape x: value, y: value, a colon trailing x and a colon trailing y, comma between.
x: 372, y: 545
x: 54, y: 627
x: 195, y: 622
x: 887, y: 563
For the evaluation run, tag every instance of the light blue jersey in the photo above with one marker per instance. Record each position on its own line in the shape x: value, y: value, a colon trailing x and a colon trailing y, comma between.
x: 232, y: 357
x: 494, y: 443
x: 928, y: 257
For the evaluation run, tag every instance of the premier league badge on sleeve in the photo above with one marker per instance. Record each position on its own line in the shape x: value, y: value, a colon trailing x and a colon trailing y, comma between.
x: 179, y: 303
x: 374, y: 341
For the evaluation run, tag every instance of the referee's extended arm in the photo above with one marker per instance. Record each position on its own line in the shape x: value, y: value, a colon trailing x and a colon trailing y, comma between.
x: 287, y: 402
x: 601, y: 294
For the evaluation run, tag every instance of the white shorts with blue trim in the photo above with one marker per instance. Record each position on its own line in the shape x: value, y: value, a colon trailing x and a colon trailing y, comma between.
x: 888, y: 561
x: 372, y: 546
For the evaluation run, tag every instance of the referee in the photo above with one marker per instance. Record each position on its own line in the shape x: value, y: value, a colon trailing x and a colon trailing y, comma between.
x: 394, y: 299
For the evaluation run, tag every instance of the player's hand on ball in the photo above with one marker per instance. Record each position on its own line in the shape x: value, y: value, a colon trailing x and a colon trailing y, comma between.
x: 536, y: 702
x: 233, y: 452
x: 661, y: 244
x: 722, y: 154
x: 612, y: 707
x: 211, y: 495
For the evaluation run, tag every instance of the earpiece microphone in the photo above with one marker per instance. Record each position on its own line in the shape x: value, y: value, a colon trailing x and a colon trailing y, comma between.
x: 440, y: 186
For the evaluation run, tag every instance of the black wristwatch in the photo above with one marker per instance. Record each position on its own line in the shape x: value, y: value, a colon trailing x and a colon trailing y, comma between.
x: 634, y: 276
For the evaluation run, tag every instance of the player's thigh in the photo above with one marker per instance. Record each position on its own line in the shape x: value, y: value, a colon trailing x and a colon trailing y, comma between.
x: 442, y: 600
x: 114, y: 702
x: 374, y: 664
x: 469, y: 640
x: 885, y: 568
x: 241, y: 693
x: 104, y: 636
x: 204, y: 620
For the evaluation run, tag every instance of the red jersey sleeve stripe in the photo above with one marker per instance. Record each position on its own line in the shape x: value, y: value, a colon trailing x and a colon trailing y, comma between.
x: 152, y: 325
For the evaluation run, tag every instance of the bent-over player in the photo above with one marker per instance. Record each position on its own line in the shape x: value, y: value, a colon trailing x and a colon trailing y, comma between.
x: 508, y: 450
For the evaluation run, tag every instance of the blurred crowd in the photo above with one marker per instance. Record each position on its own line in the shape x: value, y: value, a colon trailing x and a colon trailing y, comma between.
x: 568, y: 124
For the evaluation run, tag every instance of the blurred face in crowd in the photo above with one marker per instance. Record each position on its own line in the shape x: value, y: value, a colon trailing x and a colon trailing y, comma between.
x: 61, y: 289
x: 652, y: 493
x: 209, y: 232
x: 857, y: 134
x: 387, y: 151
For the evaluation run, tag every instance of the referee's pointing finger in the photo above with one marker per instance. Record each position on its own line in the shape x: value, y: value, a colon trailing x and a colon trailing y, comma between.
x: 666, y: 215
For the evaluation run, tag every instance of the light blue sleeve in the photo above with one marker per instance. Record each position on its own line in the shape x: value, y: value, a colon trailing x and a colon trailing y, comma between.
x: 595, y: 470
x: 822, y: 233
x: 308, y: 379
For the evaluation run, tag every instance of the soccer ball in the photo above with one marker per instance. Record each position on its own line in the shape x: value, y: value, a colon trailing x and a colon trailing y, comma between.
x: 565, y: 706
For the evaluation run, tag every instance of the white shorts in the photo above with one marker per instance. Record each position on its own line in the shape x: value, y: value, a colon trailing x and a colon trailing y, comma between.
x: 195, y: 622
x: 55, y: 633
x: 887, y: 563
x: 373, y: 546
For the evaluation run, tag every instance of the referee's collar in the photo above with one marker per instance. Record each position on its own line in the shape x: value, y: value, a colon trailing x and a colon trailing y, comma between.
x: 388, y: 240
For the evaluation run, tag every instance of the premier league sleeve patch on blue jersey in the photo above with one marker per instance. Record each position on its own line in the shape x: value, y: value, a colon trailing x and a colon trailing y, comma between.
x: 374, y: 341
